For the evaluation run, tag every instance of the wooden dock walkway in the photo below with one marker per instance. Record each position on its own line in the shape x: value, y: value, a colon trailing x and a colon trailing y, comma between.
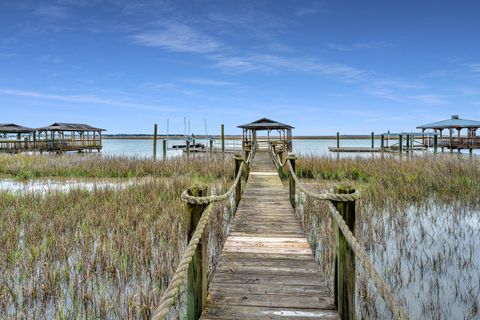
x: 266, y: 269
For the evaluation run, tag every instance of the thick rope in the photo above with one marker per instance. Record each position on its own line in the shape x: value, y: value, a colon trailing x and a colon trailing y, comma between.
x: 216, y: 198
x: 173, y: 289
x: 380, y: 284
x: 361, y: 255
x: 322, y: 196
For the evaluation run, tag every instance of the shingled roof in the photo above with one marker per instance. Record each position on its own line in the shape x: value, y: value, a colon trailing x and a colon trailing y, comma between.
x: 57, y: 126
x: 14, y: 128
x: 454, y: 122
x: 265, y: 124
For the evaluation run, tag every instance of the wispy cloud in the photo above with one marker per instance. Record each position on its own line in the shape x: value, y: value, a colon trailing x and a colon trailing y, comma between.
x: 276, y: 63
x: 86, y: 99
x: 52, y: 12
x: 51, y: 58
x: 429, y: 99
x: 178, y: 37
x: 358, y: 46
x: 209, y: 82
x: 474, y: 67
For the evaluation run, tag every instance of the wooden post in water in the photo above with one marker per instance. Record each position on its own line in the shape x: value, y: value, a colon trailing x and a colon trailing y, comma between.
x: 164, y: 149
x: 291, y: 188
x: 435, y: 142
x: 408, y: 143
x: 197, y: 270
x: 382, y: 142
x: 373, y: 140
x: 155, y: 141
x: 211, y: 145
x: 187, y: 143
x: 238, y: 190
x: 223, y: 138
x: 344, y: 285
x: 338, y: 139
x: 400, y: 142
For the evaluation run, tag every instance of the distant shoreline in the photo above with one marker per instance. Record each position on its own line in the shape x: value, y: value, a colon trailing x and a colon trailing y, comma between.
x: 238, y: 137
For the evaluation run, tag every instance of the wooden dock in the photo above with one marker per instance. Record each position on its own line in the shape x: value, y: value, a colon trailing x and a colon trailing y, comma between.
x: 267, y: 269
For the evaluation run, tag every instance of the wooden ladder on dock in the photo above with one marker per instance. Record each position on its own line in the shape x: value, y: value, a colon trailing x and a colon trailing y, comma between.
x: 267, y: 269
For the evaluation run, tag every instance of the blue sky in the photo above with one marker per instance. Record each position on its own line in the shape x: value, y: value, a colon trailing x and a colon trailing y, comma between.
x: 321, y: 66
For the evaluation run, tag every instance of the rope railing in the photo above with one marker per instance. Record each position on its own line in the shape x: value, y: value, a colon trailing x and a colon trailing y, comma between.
x: 173, y: 289
x: 205, y: 205
x: 392, y: 302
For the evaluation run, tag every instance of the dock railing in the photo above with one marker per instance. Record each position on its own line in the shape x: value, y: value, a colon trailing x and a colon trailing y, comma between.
x: 341, y: 204
x: 190, y: 280
x: 15, y: 146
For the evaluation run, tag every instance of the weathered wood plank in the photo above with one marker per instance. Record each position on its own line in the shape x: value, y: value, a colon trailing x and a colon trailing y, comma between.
x: 267, y: 269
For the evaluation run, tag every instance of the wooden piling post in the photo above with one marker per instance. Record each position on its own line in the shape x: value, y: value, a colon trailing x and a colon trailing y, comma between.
x: 197, y: 270
x: 400, y: 143
x: 238, y: 190
x: 155, y: 141
x: 164, y: 149
x: 435, y: 143
x: 187, y: 143
x: 408, y: 143
x: 382, y: 142
x: 338, y: 139
x: 223, y: 138
x: 373, y: 140
x: 291, y: 184
x: 211, y: 145
x: 344, y: 285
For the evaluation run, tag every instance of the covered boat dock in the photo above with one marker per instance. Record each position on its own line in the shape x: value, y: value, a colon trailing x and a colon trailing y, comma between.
x: 453, y: 140
x: 57, y: 138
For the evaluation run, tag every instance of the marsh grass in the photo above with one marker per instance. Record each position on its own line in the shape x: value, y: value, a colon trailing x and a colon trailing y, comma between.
x: 103, y: 253
x: 408, y: 179
x: 418, y: 219
x: 23, y: 166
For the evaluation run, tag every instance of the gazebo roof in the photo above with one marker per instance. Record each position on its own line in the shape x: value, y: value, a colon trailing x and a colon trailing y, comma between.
x: 265, y: 124
x: 453, y: 122
x: 14, y: 128
x: 57, y: 126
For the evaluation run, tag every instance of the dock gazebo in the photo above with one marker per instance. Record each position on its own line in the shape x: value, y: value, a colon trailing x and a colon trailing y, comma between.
x: 282, y: 134
x: 16, y: 138
x: 61, y: 137
x: 468, y: 141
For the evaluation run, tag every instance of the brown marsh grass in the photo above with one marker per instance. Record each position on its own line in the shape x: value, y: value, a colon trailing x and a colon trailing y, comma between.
x: 419, y: 220
x: 103, y: 253
x: 98, y: 166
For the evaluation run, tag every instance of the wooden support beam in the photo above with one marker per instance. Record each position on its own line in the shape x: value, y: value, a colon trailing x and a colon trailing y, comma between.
x: 164, y: 149
x: 223, y: 137
x: 238, y: 189
x: 291, y: 188
x: 155, y: 141
x: 344, y: 285
x: 400, y: 143
x: 197, y: 270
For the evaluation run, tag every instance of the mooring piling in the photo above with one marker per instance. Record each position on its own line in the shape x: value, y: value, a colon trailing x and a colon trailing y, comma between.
x: 155, y: 141
x: 344, y: 285
x: 223, y: 137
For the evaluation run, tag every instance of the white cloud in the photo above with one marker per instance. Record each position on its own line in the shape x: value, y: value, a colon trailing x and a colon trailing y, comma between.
x: 51, y: 58
x: 209, y: 82
x: 178, y: 37
x: 52, y: 12
x: 474, y: 67
x: 86, y: 99
x: 360, y: 45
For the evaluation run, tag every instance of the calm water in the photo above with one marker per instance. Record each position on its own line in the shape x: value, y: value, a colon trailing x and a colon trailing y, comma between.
x: 144, y: 148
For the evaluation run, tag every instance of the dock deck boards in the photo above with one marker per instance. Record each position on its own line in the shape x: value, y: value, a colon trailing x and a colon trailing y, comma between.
x: 266, y: 269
